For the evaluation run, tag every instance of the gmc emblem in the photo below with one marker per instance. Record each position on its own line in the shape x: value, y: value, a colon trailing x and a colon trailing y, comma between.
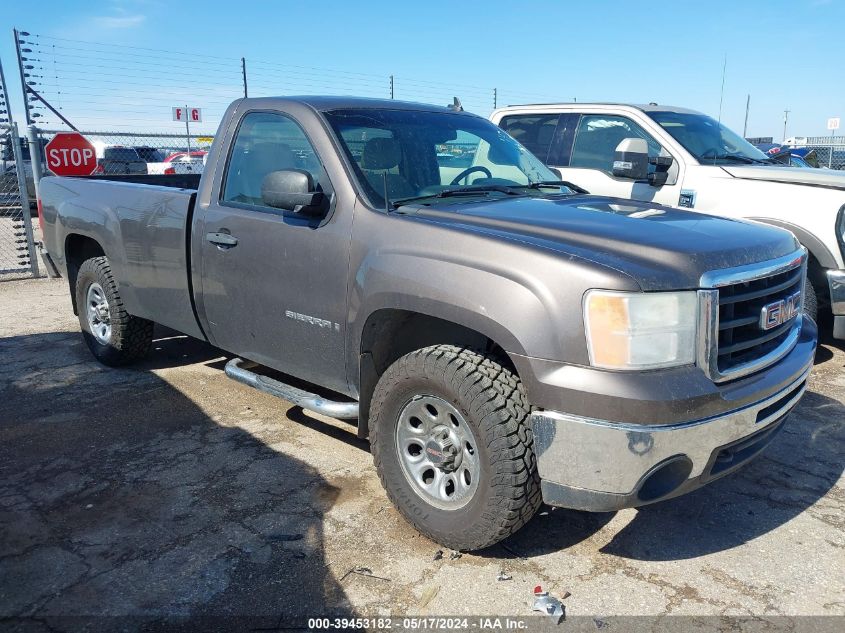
x: 779, y: 312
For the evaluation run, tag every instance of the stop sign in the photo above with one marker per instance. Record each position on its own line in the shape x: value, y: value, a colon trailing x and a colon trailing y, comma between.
x: 70, y: 154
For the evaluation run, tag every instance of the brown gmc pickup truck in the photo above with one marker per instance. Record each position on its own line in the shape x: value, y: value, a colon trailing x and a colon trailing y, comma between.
x: 501, y: 337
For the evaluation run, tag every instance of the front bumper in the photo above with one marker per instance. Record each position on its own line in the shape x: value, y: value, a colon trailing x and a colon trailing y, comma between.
x: 836, y: 281
x: 604, y: 462
x: 600, y: 466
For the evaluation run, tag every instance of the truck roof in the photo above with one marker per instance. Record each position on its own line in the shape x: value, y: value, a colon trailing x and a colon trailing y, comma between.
x: 645, y: 107
x: 324, y: 103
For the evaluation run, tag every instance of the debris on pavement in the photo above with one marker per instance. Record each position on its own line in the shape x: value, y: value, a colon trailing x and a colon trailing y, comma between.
x: 363, y: 571
x: 455, y: 555
x: 503, y: 575
x: 551, y: 606
x: 438, y: 554
x: 428, y: 595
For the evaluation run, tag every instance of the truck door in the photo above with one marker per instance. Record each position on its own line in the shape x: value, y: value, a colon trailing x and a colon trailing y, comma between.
x: 273, y: 282
x: 590, y: 159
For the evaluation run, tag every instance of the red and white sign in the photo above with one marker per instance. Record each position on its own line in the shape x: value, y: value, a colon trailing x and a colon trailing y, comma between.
x: 833, y: 124
x: 70, y: 154
x: 192, y: 115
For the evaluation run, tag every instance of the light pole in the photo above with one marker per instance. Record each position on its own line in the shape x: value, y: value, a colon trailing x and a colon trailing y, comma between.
x: 785, y: 120
x: 747, y: 107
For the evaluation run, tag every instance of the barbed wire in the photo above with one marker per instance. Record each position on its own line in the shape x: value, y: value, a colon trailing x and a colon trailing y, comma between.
x: 133, y: 80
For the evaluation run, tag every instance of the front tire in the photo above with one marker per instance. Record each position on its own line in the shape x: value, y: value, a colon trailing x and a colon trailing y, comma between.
x: 811, y: 302
x: 114, y: 336
x: 452, y: 446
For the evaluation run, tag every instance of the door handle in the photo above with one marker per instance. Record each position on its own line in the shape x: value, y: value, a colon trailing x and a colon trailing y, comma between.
x: 222, y: 240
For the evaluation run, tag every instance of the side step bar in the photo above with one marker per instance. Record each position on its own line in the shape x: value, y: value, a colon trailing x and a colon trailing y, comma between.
x: 239, y: 369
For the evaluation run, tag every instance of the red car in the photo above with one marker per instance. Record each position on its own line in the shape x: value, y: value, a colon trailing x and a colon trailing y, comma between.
x: 184, y: 155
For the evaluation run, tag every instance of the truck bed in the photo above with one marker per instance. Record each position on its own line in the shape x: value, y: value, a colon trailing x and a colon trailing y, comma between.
x: 179, y: 181
x: 143, y: 225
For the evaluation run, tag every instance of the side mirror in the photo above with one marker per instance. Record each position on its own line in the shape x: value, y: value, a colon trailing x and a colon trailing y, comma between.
x: 631, y: 159
x: 292, y: 190
x: 660, y: 175
x: 556, y: 172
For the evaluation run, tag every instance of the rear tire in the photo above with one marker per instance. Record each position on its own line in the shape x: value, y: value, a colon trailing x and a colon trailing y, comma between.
x: 114, y: 336
x: 457, y: 386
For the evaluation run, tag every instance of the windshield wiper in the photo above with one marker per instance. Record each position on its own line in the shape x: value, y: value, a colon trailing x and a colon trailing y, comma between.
x: 457, y: 192
x: 734, y: 157
x: 543, y: 184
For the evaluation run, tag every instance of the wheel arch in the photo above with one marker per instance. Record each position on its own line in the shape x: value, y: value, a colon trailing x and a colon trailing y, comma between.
x: 390, y: 333
x: 78, y: 248
x: 820, y: 257
x: 814, y: 245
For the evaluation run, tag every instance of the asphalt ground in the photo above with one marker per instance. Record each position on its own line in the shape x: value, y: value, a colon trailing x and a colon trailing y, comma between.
x: 131, y: 498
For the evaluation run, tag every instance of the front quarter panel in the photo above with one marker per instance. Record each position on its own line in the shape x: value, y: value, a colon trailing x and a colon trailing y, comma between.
x: 526, y: 299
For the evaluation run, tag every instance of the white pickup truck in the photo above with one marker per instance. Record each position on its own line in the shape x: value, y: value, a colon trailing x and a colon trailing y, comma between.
x: 683, y: 158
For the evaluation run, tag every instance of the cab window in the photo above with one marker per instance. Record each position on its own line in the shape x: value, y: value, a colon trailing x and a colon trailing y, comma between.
x: 267, y: 142
x: 597, y: 137
x: 534, y: 131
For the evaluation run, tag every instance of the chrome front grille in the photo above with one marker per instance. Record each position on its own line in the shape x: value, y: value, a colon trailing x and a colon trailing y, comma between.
x: 742, y: 310
x: 741, y: 338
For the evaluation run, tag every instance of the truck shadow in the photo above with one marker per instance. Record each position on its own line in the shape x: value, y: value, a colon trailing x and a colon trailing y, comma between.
x: 124, y: 505
x: 798, y: 469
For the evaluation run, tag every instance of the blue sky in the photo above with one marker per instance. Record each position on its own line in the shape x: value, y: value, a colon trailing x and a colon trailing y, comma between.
x: 787, y: 55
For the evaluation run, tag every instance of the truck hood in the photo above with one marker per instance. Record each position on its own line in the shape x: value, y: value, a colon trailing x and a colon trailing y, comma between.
x: 661, y: 248
x: 790, y: 175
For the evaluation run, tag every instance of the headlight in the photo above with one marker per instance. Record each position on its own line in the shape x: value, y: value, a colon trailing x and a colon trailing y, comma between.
x: 637, y: 330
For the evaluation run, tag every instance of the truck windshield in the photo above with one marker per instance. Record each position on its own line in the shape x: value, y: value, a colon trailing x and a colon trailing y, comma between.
x: 416, y: 154
x: 150, y: 154
x: 708, y: 140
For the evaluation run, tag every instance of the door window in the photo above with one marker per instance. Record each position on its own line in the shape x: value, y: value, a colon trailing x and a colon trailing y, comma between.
x: 598, y: 136
x: 268, y: 142
x: 534, y: 131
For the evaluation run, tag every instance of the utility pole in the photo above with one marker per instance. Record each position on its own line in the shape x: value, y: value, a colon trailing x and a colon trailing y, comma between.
x: 832, y: 142
x: 785, y: 121
x: 722, y: 93
x: 243, y: 70
x: 188, y: 132
x: 747, y: 107
x: 391, y: 86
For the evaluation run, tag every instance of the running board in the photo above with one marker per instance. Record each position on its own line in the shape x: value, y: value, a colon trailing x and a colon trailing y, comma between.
x: 239, y: 369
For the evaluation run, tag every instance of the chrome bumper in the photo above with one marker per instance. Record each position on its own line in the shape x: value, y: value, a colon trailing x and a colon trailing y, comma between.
x: 598, y: 465
x: 836, y: 281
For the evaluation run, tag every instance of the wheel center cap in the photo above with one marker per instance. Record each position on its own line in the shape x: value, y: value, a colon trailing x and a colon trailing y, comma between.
x: 441, y: 452
x: 434, y: 452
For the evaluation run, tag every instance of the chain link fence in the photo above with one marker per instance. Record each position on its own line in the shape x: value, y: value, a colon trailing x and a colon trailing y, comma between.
x: 142, y: 152
x: 17, y: 233
x: 828, y: 155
